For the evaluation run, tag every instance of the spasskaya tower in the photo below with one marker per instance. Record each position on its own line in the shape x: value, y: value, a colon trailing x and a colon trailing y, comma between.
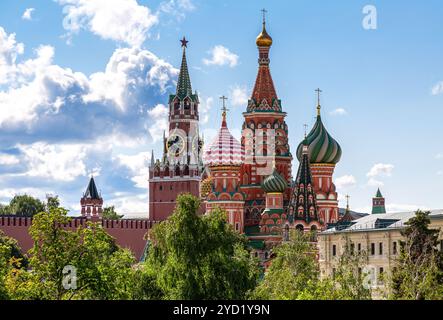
x: 179, y: 170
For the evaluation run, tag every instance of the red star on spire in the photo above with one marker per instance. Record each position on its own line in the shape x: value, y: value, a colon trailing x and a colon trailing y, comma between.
x: 184, y: 42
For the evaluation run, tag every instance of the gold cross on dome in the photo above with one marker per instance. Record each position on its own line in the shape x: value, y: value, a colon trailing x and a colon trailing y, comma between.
x: 306, y: 129
x: 224, y: 109
x: 264, y: 11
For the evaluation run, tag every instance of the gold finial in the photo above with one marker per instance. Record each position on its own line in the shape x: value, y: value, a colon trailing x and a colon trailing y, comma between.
x: 306, y: 129
x: 318, y: 100
x: 264, y: 15
x: 224, y: 109
x: 264, y: 39
x: 273, y: 164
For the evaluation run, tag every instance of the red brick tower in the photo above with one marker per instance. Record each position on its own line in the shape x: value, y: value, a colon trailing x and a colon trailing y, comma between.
x: 223, y: 159
x: 179, y: 169
x: 265, y: 137
x: 91, y: 202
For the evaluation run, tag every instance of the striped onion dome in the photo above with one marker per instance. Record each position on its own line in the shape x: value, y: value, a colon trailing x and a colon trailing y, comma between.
x: 274, y: 183
x: 322, y: 147
x: 225, y: 149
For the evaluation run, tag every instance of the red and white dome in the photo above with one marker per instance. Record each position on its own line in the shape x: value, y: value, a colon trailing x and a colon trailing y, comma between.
x: 225, y: 149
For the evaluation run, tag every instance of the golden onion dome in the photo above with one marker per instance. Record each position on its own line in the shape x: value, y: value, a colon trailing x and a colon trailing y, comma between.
x: 205, y: 187
x: 264, y: 39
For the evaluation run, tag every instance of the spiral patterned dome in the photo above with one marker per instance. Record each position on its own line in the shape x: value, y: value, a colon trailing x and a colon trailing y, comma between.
x: 274, y: 183
x: 322, y: 147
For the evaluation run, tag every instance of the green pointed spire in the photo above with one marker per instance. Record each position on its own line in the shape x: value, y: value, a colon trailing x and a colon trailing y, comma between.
x: 378, y: 195
x: 184, y: 87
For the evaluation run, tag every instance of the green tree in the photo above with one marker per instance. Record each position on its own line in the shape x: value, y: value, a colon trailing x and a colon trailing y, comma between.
x: 418, y: 271
x: 199, y: 257
x: 102, y: 269
x: 23, y: 205
x: 348, y: 281
x: 294, y: 275
x: 52, y: 202
x: 111, y: 214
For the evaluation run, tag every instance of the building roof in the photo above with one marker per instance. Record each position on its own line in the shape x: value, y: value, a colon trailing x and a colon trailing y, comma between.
x: 381, y: 221
x: 91, y: 191
x: 303, y: 205
x: 378, y: 195
x: 224, y: 149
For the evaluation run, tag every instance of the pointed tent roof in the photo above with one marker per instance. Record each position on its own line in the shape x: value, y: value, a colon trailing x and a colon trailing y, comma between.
x: 91, y: 191
x: 264, y: 96
x: 378, y: 195
x: 225, y: 149
x: 184, y: 87
x: 304, y: 187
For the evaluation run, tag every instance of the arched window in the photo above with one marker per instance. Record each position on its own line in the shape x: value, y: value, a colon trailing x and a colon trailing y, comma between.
x: 245, y: 179
x: 300, y: 228
x: 301, y: 199
x: 186, y: 171
x: 187, y: 104
x: 177, y: 170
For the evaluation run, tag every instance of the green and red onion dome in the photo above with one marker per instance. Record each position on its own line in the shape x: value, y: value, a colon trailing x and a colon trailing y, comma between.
x: 274, y: 183
x: 322, y: 148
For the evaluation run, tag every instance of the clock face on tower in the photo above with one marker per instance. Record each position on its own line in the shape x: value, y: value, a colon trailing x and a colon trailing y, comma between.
x: 175, y: 145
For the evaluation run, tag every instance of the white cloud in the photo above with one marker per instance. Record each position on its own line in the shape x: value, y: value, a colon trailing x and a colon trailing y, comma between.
x: 239, y: 96
x: 338, y: 112
x: 119, y: 20
x: 159, y: 116
x: 7, y: 159
x: 437, y: 89
x: 8, y: 193
x: 380, y: 169
x: 138, y: 165
x: 130, y: 205
x: 130, y: 69
x: 440, y: 173
x: 9, y: 51
x: 345, y: 181
x: 27, y: 15
x: 375, y: 183
x: 396, y: 207
x: 221, y: 56
x: 439, y: 156
x: 204, y: 108
x: 176, y: 8
x: 61, y: 162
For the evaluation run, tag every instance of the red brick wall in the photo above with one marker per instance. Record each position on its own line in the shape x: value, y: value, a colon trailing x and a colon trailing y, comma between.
x: 128, y: 234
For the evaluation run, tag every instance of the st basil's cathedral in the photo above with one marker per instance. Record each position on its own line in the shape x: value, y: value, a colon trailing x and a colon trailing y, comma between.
x: 251, y: 179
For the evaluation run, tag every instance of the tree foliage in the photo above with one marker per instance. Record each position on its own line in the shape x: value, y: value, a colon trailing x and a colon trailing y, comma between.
x: 294, y: 275
x: 199, y: 257
x: 102, y: 269
x: 110, y: 213
x: 418, y: 272
x: 23, y: 205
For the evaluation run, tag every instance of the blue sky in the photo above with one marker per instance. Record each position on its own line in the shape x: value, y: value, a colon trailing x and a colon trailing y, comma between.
x: 83, y: 86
